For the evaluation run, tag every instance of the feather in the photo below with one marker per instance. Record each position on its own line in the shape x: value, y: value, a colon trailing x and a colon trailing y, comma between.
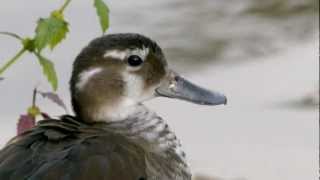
x: 69, y: 149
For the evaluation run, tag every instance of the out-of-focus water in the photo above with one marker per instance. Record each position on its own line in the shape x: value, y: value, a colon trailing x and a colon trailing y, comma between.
x: 195, y: 33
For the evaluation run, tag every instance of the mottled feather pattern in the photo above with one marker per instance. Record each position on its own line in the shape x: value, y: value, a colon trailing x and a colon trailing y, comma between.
x: 142, y: 146
x: 150, y: 131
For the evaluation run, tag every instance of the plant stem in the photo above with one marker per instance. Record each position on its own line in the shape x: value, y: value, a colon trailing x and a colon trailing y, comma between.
x: 12, y: 35
x: 64, y: 6
x: 12, y: 61
x: 34, y: 97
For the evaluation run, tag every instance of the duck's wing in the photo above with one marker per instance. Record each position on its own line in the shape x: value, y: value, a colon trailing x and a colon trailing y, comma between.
x: 58, y: 150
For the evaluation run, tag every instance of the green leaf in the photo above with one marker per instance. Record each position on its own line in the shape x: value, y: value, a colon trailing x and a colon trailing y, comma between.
x: 103, y: 14
x: 50, y: 31
x: 49, y: 71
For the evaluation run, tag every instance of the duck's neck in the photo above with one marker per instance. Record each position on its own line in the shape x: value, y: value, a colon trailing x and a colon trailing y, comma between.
x: 99, y: 110
x: 116, y: 112
x: 150, y: 131
x: 164, y: 155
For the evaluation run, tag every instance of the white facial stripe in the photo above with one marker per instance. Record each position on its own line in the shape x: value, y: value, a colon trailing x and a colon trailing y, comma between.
x: 143, y: 53
x: 85, y: 76
x: 123, y: 54
x: 116, y: 54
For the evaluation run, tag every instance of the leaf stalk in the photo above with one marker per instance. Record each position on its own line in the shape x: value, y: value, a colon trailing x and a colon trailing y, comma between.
x: 34, y: 97
x: 12, y: 60
x: 12, y: 35
x: 64, y: 6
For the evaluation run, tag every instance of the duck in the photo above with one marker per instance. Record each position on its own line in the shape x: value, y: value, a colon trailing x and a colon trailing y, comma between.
x: 112, y: 134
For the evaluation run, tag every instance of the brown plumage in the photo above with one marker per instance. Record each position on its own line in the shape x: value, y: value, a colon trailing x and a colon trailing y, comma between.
x: 67, y: 149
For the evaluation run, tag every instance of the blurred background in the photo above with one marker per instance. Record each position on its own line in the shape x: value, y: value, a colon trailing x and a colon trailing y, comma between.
x: 264, y: 55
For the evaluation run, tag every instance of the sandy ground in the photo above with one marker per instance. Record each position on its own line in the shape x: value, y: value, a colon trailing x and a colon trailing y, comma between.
x: 256, y: 136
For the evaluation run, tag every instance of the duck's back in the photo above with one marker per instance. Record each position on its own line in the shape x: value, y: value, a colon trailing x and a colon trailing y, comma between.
x: 61, y: 150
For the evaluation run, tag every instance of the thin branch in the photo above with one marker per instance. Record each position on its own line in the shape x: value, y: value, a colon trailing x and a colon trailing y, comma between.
x: 34, y: 97
x: 12, y: 61
x: 12, y: 35
x: 64, y: 6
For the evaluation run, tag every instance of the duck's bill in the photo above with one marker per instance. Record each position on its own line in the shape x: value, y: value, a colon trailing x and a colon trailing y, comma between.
x: 174, y: 86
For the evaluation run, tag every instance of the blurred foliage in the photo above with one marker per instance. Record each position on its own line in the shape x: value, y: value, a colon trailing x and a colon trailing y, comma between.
x: 27, y: 121
x: 49, y: 32
x: 103, y: 14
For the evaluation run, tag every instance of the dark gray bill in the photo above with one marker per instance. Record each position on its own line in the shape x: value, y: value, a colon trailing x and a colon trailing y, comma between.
x: 180, y: 88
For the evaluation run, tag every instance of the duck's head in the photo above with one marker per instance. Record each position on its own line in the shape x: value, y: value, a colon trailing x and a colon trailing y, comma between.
x: 117, y: 72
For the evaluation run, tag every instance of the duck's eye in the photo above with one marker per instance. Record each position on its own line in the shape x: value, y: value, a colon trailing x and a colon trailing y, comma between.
x: 134, y: 60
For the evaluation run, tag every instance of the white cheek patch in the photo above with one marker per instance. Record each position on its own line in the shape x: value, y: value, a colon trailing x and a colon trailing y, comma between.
x: 85, y: 76
x: 134, y: 85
